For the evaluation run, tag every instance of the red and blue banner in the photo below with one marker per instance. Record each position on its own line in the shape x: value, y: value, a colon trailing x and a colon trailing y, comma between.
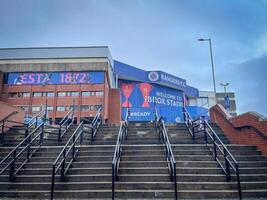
x: 45, y: 78
x: 142, y: 98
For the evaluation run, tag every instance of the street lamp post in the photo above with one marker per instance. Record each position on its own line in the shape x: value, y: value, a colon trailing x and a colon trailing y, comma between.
x: 212, y: 65
x: 224, y: 86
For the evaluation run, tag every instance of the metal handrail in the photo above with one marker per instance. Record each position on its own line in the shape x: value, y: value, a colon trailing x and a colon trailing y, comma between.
x: 118, y: 150
x: 64, y: 124
x: 27, y: 126
x: 22, y: 146
x: 229, y: 160
x: 3, y: 125
x: 70, y: 147
x: 163, y: 137
x: 34, y: 120
x: 194, y: 125
x: 96, y: 123
x: 60, y: 161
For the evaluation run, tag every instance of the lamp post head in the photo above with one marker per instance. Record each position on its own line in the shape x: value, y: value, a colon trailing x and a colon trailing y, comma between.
x: 224, y: 84
x: 203, y: 39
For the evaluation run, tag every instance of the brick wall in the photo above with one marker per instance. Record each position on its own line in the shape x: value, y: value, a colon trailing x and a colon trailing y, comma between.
x: 114, y: 106
x: 6, y: 109
x: 249, y: 128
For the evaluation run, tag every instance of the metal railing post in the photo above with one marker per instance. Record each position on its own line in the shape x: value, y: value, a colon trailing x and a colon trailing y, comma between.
x: 175, y: 181
x: 73, y: 146
x: 193, y: 130
x: 238, y: 181
x: 205, y: 131
x: 2, y: 132
x: 42, y: 135
x: 59, y: 133
x: 113, y: 182
x: 26, y: 131
x: 81, y: 137
x: 184, y: 114
x: 214, y: 146
x: 227, y: 167
x: 53, y: 182
x: 29, y: 146
x: 92, y: 132
x: 63, y: 166
x: 36, y: 122
x: 12, y: 167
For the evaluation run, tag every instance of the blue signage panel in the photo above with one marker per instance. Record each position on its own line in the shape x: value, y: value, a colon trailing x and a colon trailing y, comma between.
x: 142, y: 98
x: 227, y: 102
x: 139, y: 114
x: 166, y: 79
x: 44, y: 78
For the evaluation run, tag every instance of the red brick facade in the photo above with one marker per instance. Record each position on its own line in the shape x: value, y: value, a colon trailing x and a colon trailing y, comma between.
x: 249, y: 128
x: 6, y: 109
x: 114, y: 115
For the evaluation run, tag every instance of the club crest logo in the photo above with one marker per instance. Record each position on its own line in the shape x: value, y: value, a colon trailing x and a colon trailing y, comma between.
x: 153, y: 76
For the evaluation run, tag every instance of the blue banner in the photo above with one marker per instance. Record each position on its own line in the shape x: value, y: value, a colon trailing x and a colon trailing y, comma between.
x: 142, y: 98
x: 166, y: 79
x: 45, y: 78
x: 227, y: 102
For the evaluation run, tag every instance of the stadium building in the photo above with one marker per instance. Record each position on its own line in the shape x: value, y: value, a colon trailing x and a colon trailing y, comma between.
x: 86, y: 78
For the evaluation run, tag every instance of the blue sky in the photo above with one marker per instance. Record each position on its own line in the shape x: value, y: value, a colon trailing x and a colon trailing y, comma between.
x: 156, y: 34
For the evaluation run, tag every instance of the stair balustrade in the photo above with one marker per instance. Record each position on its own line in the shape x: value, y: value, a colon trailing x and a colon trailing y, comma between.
x: 18, y: 152
x: 118, y: 151
x: 163, y: 137
x: 7, y: 124
x: 72, y: 147
x: 217, y: 147
x: 65, y: 124
x: 96, y: 123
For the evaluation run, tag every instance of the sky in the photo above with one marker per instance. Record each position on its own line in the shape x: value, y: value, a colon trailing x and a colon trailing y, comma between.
x: 156, y: 35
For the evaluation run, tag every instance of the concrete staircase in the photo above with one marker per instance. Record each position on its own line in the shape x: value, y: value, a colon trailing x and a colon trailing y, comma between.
x: 90, y: 173
x: 199, y: 175
x: 143, y: 172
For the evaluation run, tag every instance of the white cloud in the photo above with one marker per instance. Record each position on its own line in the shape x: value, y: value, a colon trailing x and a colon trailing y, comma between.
x: 262, y: 44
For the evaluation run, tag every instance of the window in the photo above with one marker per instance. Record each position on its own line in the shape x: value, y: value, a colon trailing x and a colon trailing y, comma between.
x: 60, y: 108
x: 50, y: 94
x: 36, y: 108
x: 26, y: 94
x: 13, y: 94
x: 61, y: 94
x: 72, y: 93
x: 92, y: 93
x: 97, y: 107
x: 50, y: 108
x: 25, y: 108
x: 85, y: 107
x: 37, y: 94
x: 86, y: 94
x: 70, y: 107
x: 99, y: 93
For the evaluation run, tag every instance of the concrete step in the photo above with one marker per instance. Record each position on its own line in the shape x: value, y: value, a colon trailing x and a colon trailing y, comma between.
x: 136, y: 185
x: 134, y: 194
